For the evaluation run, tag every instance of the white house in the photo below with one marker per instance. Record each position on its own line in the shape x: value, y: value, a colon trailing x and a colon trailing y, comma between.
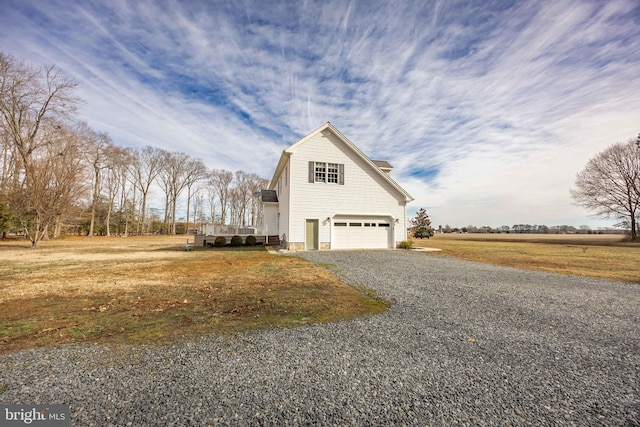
x: 326, y: 194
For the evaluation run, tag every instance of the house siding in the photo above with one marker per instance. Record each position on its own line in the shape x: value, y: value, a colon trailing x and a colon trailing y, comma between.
x: 284, y: 198
x: 271, y: 219
x: 364, y: 192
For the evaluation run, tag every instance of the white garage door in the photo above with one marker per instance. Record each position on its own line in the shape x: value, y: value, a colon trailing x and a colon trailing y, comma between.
x: 361, y: 233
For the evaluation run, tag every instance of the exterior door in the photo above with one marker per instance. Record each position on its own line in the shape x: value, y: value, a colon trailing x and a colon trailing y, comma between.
x: 311, y: 241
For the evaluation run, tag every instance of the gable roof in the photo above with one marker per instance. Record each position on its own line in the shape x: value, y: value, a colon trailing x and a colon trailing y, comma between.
x: 328, y: 127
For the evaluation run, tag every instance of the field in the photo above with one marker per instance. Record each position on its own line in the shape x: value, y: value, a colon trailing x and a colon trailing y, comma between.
x: 599, y: 256
x: 150, y: 290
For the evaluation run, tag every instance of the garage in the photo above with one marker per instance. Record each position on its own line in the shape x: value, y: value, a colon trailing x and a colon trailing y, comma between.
x: 361, y: 233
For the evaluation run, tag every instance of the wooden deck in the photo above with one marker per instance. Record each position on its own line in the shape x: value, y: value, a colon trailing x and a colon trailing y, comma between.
x: 207, y: 240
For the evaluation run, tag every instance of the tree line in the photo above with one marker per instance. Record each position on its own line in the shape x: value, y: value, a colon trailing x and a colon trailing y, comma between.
x: 609, y: 186
x: 527, y: 229
x: 57, y: 175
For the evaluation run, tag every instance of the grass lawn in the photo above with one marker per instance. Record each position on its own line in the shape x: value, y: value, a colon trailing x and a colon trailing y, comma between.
x: 150, y: 290
x: 599, y: 256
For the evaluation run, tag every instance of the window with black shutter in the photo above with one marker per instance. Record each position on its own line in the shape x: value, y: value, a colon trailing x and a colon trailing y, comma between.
x: 331, y: 173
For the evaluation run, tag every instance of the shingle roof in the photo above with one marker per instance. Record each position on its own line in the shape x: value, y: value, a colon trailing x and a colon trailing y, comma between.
x: 269, y: 196
x: 382, y: 164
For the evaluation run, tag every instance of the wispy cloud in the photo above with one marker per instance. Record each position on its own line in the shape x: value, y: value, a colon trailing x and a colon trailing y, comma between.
x: 487, y: 110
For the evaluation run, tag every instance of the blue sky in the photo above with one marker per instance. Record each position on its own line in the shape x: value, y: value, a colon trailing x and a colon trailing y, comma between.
x: 486, y: 109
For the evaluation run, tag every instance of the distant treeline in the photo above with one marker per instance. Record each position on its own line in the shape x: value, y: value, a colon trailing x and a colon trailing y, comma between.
x: 530, y: 229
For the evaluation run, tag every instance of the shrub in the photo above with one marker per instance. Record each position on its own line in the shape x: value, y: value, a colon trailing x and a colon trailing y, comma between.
x: 236, y: 241
x: 405, y: 244
x: 220, y: 242
x: 251, y: 241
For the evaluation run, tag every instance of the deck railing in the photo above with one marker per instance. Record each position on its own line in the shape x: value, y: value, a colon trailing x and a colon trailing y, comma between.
x: 222, y: 230
x: 207, y: 234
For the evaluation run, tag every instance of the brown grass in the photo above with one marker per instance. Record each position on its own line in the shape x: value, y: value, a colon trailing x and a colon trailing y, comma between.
x: 150, y: 290
x: 599, y: 256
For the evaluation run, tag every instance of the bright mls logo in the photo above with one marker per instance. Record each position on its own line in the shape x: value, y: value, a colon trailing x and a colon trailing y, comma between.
x: 35, y: 415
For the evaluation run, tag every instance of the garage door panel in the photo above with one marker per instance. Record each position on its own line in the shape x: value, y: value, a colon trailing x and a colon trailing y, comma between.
x: 361, y: 233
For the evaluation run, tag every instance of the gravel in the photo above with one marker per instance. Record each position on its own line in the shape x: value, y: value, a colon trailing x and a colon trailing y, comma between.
x: 463, y: 344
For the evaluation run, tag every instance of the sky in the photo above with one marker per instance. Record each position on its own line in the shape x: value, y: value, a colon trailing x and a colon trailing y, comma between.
x: 486, y: 109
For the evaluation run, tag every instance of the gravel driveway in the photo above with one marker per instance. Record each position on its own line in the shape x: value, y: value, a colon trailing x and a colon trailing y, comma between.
x: 463, y: 344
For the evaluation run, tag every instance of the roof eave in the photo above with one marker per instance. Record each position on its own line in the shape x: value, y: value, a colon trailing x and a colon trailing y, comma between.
x: 284, y: 157
x: 386, y: 176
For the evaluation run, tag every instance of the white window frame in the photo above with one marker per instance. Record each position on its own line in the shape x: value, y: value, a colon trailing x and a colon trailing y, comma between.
x: 332, y: 173
x: 320, y: 171
x: 325, y: 172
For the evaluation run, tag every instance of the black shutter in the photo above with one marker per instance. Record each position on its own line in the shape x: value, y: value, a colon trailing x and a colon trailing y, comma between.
x: 311, y: 172
x: 341, y: 174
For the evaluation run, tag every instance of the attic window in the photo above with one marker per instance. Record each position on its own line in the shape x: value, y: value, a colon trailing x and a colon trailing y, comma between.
x: 321, y: 172
x: 332, y: 173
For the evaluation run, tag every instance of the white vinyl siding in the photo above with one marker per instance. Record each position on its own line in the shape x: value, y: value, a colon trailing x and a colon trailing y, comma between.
x: 364, y: 193
x: 271, y: 219
x: 284, y: 197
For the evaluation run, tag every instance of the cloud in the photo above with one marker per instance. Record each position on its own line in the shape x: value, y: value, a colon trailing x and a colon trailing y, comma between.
x: 487, y: 110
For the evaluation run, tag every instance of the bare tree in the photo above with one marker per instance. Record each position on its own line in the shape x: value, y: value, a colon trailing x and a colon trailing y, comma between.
x: 115, y: 177
x: 32, y: 99
x: 195, y: 170
x: 255, y: 185
x: 8, y: 173
x: 221, y: 180
x: 610, y: 184
x: 235, y: 205
x: 212, y: 195
x: 69, y: 187
x: 8, y: 161
x: 54, y: 185
x: 97, y: 147
x: 29, y: 97
x: 243, y: 196
x: 126, y: 203
x: 173, y: 180
x: 145, y: 166
x: 236, y: 195
x: 199, y: 216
